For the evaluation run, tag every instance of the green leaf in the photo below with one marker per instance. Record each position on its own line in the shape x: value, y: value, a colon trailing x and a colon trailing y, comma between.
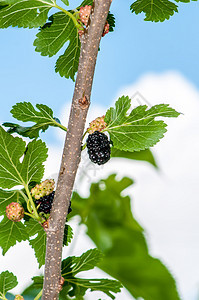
x: 38, y: 243
x: 67, y: 64
x: 117, y: 234
x: 11, y: 232
x: 24, y: 111
x: 33, y: 290
x: 68, y: 235
x: 85, y: 2
x: 29, y: 131
x: 7, y: 282
x: 32, y: 168
x: 53, y: 36
x: 66, y: 2
x: 12, y: 171
x: 106, y: 286
x: 155, y: 10
x: 111, y: 21
x: 144, y: 155
x: 74, y: 265
x: 137, y: 130
x: 23, y: 13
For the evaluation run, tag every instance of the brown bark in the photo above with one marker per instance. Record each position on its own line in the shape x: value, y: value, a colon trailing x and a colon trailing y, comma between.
x: 72, y: 148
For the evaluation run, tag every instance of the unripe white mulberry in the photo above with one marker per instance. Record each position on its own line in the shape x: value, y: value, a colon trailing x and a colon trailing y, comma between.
x: 15, y: 212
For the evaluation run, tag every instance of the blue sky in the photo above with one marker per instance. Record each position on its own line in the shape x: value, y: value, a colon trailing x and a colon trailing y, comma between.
x: 136, y: 47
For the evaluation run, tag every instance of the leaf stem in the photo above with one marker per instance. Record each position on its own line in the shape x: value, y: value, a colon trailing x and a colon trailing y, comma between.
x: 84, y: 146
x: 60, y: 126
x: 39, y: 295
x: 70, y: 15
x: 32, y: 203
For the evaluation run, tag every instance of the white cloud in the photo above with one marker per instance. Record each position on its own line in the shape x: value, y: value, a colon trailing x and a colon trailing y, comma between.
x: 165, y: 202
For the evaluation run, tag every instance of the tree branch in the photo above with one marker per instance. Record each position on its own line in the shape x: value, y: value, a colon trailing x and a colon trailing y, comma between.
x: 72, y: 148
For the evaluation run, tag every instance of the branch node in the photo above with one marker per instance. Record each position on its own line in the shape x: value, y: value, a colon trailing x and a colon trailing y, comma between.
x: 83, y: 102
x: 61, y: 283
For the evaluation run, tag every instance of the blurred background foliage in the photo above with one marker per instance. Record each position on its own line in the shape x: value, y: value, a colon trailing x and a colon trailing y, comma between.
x: 110, y: 223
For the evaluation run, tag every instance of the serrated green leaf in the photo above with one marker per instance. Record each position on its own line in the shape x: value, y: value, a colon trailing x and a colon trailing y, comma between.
x: 87, y: 261
x: 68, y: 235
x: 107, y: 286
x: 155, y: 10
x: 11, y: 232
x: 33, y: 290
x: 138, y: 130
x: 67, y: 64
x: 12, y: 171
x: 29, y: 131
x: 113, y: 229
x: 74, y: 265
x: 7, y: 282
x: 66, y: 2
x: 32, y: 168
x: 24, y: 111
x: 6, y: 197
x: 24, y: 13
x: 38, y: 243
x: 85, y: 2
x: 53, y: 36
x: 144, y: 155
x: 111, y: 21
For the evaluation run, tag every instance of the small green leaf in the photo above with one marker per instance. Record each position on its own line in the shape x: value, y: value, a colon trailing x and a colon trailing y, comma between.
x: 111, y: 21
x: 144, y: 155
x: 32, y: 168
x: 67, y: 64
x: 29, y: 131
x: 25, y: 112
x: 74, y: 265
x: 66, y: 2
x: 53, y: 36
x: 155, y: 10
x: 33, y: 290
x: 85, y: 2
x: 7, y: 282
x: 80, y: 286
x: 68, y: 235
x: 23, y: 13
x: 12, y: 171
x: 11, y: 232
x: 38, y: 243
x: 137, y: 130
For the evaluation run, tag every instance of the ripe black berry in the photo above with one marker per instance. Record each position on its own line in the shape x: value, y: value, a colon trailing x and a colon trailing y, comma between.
x: 45, y: 203
x: 98, y: 147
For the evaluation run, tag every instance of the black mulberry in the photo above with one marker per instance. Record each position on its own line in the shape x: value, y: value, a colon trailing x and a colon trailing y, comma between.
x: 44, y: 204
x: 98, y: 147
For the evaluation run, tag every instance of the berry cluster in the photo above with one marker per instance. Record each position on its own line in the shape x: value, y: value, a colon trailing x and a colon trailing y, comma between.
x: 44, y: 204
x: 43, y: 189
x: 84, y: 14
x: 98, y: 147
x: 15, y: 212
x: 97, y: 125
